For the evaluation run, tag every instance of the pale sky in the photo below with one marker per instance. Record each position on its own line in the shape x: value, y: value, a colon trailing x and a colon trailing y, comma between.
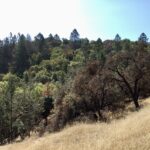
x: 45, y: 16
x: 92, y: 18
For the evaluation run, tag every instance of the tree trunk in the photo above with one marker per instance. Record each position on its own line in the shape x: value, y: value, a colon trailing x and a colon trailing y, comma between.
x: 136, y: 97
x: 101, y: 117
x: 136, y: 103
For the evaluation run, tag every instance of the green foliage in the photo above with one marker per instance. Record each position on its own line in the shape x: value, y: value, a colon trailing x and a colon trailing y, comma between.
x: 85, y: 78
x: 10, y: 76
x: 143, y: 38
x: 18, y: 114
x: 46, y: 64
x: 43, y: 76
x: 21, y: 56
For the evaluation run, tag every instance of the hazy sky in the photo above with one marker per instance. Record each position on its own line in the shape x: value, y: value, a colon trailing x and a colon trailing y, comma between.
x: 92, y: 18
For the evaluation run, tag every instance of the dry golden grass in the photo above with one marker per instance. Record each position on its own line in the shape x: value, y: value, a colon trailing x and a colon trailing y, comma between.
x: 130, y: 133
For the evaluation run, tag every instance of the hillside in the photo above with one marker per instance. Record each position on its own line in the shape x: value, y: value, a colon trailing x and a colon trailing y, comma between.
x: 79, y: 79
x: 67, y: 80
x: 131, y: 133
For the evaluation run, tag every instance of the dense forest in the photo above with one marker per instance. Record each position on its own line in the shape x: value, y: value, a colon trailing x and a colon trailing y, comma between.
x: 82, y: 79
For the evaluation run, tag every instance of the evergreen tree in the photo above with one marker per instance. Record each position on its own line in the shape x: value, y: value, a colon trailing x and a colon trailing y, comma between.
x: 143, y: 38
x: 56, y: 41
x: 5, y: 55
x: 75, y: 39
x: 74, y: 36
x: 40, y: 41
x: 117, y: 43
x: 29, y: 38
x: 50, y: 38
x: 21, y: 56
x: 117, y: 38
x: 56, y: 37
x: 42, y: 47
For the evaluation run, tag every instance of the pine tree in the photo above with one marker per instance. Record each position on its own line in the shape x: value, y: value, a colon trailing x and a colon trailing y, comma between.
x: 74, y: 36
x: 143, y: 38
x: 75, y: 39
x: 117, y: 43
x: 40, y: 41
x: 21, y: 56
x: 117, y: 38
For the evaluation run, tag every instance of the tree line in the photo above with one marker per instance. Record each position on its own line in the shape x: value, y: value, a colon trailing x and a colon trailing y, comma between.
x: 85, y: 79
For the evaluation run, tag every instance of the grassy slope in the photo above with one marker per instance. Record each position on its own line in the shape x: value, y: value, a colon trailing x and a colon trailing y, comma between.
x: 131, y: 133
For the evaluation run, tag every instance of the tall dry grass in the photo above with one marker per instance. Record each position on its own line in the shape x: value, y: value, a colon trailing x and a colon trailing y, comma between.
x: 130, y: 133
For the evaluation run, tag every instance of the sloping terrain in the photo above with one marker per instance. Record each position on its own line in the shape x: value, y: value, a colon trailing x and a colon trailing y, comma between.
x: 130, y: 133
